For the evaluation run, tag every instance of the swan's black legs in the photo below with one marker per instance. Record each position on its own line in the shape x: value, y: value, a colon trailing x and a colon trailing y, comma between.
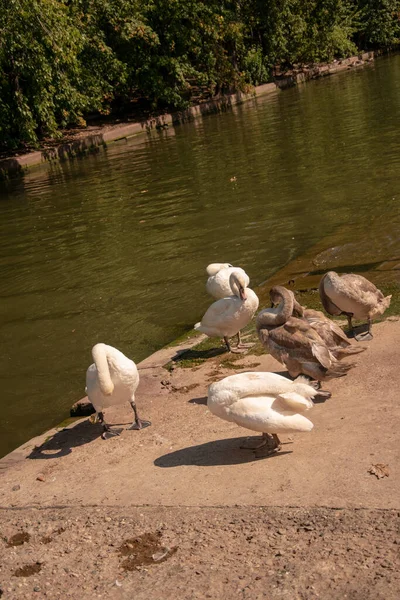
x: 350, y: 323
x: 228, y: 345
x: 362, y: 337
x: 237, y: 350
x: 107, y: 431
x: 138, y: 423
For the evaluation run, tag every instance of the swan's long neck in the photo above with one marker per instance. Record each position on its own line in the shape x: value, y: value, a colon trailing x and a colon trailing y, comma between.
x: 298, y: 310
x: 238, y: 285
x: 277, y: 316
x: 100, y: 357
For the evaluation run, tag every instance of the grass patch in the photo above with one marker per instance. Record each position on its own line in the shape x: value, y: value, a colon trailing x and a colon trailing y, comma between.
x: 188, y: 335
x: 394, y: 308
x: 67, y: 422
x: 232, y: 364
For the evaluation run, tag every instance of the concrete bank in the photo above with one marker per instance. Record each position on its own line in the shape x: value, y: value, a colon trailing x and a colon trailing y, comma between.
x: 97, y: 137
x: 188, y: 457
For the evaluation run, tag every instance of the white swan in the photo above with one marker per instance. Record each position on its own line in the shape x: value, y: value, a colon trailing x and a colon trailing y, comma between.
x: 227, y: 316
x: 112, y: 380
x: 264, y: 402
x: 354, y: 296
x: 218, y: 284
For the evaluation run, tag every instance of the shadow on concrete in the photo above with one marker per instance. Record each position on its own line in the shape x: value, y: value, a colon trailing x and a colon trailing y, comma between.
x: 211, y: 454
x: 202, y: 400
x: 62, y: 442
x: 193, y: 354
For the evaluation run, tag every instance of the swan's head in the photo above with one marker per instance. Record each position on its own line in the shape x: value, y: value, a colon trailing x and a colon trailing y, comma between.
x: 238, y: 284
x: 278, y: 293
x: 214, y: 268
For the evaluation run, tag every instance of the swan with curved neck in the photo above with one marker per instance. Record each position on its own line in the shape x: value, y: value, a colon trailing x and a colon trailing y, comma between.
x: 219, y: 274
x: 263, y: 402
x: 227, y: 316
x: 112, y: 380
x: 354, y: 296
x: 294, y: 342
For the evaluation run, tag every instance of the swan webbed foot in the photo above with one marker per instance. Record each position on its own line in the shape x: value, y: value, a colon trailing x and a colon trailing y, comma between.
x: 238, y: 350
x: 263, y: 452
x: 363, y: 337
x: 139, y: 424
x: 256, y: 443
x: 110, y: 433
x: 272, y: 446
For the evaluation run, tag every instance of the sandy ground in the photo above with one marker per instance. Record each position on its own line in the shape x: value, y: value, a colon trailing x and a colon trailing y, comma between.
x: 309, y: 522
x: 152, y: 553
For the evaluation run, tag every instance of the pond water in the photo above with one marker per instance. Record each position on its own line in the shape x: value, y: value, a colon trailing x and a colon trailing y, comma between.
x: 113, y: 247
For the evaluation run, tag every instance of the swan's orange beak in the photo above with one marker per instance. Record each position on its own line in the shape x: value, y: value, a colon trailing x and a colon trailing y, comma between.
x: 242, y: 294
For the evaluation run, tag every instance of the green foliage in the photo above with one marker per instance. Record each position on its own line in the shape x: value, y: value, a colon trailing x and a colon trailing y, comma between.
x: 39, y: 69
x: 378, y: 23
x: 255, y: 69
x: 61, y: 60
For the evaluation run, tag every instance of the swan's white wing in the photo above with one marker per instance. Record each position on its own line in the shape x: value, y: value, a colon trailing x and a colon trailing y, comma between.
x: 260, y: 414
x: 219, y: 311
x: 295, y: 402
x: 214, y: 268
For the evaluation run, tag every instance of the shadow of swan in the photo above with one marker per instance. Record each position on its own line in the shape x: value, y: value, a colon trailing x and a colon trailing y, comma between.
x: 62, y: 442
x: 211, y: 454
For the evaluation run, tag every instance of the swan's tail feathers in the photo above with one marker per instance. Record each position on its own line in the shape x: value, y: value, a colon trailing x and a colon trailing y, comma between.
x: 386, y: 301
x: 303, y: 379
x: 340, y: 353
x: 99, y: 353
x: 295, y: 401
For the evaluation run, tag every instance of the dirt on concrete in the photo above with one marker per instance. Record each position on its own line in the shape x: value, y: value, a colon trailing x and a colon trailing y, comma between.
x: 236, y: 552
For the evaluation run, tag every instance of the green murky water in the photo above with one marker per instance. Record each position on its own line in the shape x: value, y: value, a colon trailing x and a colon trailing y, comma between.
x: 113, y: 247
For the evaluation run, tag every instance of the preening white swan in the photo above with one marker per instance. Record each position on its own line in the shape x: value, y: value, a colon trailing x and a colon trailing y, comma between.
x: 218, y: 284
x: 227, y: 316
x: 354, y: 296
x: 112, y: 380
x: 264, y: 402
